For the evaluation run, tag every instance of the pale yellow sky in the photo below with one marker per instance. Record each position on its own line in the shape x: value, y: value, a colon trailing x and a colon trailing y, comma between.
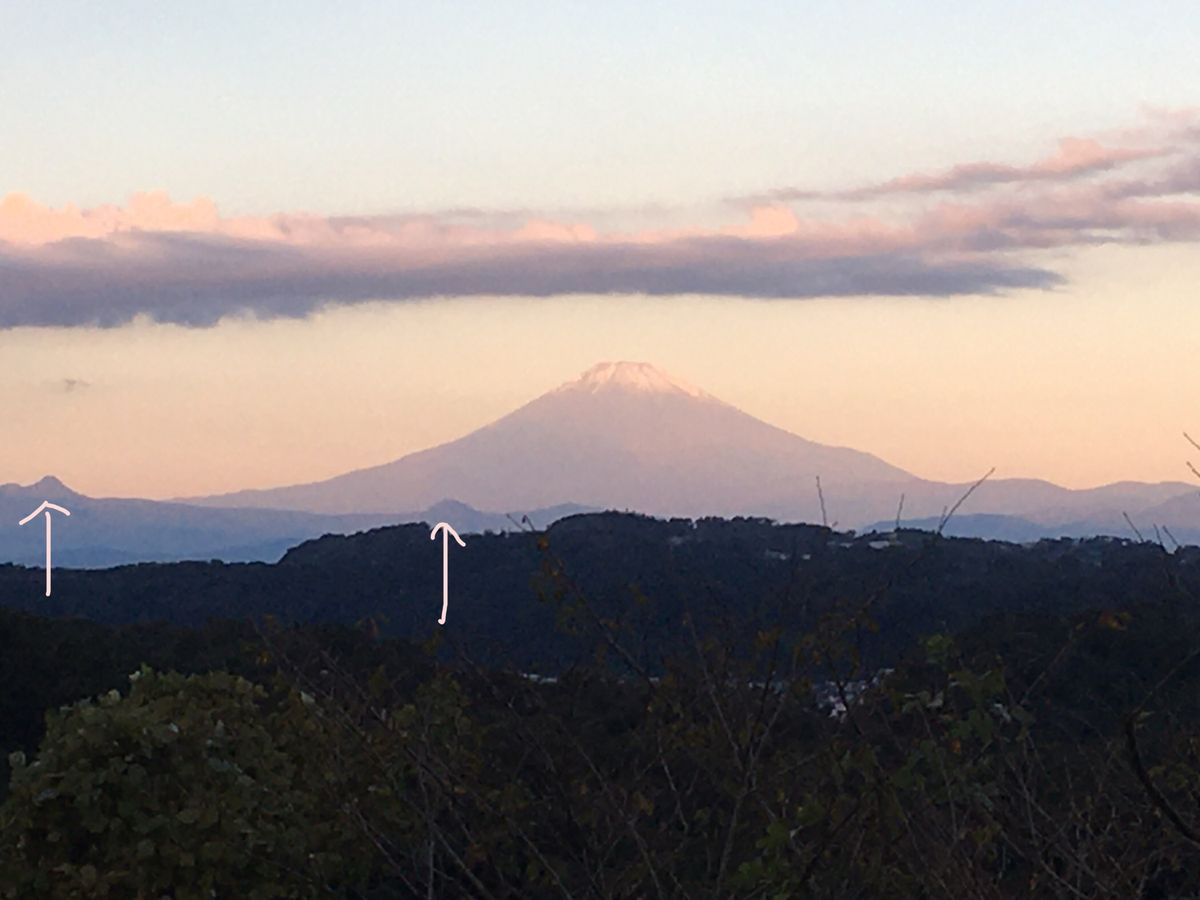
x: 1085, y: 385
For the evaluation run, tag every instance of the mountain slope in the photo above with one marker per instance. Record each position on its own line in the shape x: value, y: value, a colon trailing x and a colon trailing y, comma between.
x: 623, y: 435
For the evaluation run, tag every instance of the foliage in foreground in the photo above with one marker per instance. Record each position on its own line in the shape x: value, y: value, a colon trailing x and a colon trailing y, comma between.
x: 952, y: 777
x: 1037, y: 756
x: 186, y: 787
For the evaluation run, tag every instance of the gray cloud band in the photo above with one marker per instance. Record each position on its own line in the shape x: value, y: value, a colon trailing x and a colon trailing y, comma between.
x: 195, y: 280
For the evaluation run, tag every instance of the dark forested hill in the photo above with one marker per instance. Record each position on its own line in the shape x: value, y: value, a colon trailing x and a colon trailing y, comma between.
x: 719, y: 710
x: 507, y: 590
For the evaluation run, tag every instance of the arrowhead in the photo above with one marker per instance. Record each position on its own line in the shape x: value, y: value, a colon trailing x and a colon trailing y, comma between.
x: 446, y: 529
x: 46, y: 507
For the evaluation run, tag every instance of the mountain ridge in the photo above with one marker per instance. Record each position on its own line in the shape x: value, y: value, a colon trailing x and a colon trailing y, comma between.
x: 110, y: 531
x: 627, y: 435
x: 621, y: 436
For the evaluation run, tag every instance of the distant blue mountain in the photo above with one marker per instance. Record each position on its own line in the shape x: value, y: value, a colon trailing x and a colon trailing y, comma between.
x: 1020, y: 531
x: 978, y: 525
x: 109, y: 532
x: 623, y: 436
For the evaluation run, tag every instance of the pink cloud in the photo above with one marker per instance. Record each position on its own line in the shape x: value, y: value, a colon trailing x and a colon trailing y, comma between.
x: 22, y: 221
x: 935, y: 234
x: 1074, y: 158
x: 1161, y: 133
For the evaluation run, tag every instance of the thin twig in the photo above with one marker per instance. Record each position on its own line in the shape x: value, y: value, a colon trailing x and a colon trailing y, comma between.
x: 946, y: 516
x: 1156, y: 796
x: 1167, y: 532
x: 821, y: 497
x: 1134, y: 527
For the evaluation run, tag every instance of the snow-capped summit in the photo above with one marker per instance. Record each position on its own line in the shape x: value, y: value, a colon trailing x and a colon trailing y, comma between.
x: 633, y: 376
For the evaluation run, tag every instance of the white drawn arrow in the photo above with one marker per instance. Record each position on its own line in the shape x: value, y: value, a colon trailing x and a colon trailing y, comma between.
x: 447, y: 533
x: 46, y: 507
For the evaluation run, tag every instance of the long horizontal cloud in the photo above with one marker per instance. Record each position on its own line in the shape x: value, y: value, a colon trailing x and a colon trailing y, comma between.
x: 191, y: 280
x: 966, y: 230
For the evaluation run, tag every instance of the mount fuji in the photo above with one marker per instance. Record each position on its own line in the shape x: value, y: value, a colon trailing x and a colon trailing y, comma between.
x: 626, y: 435
x: 623, y: 435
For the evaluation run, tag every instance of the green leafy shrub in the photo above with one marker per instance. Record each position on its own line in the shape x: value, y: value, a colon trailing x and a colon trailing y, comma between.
x: 187, y: 787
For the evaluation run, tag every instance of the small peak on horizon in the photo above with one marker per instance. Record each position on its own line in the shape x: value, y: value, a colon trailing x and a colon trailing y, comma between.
x: 642, y: 377
x: 49, y: 484
x: 48, y: 487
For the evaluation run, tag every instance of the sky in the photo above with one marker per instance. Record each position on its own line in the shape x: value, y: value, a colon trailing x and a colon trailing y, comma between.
x: 244, y: 245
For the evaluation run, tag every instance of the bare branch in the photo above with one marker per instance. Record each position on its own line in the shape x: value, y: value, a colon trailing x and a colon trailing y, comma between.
x: 1167, y: 532
x: 1156, y: 796
x: 1134, y: 527
x: 946, y: 516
